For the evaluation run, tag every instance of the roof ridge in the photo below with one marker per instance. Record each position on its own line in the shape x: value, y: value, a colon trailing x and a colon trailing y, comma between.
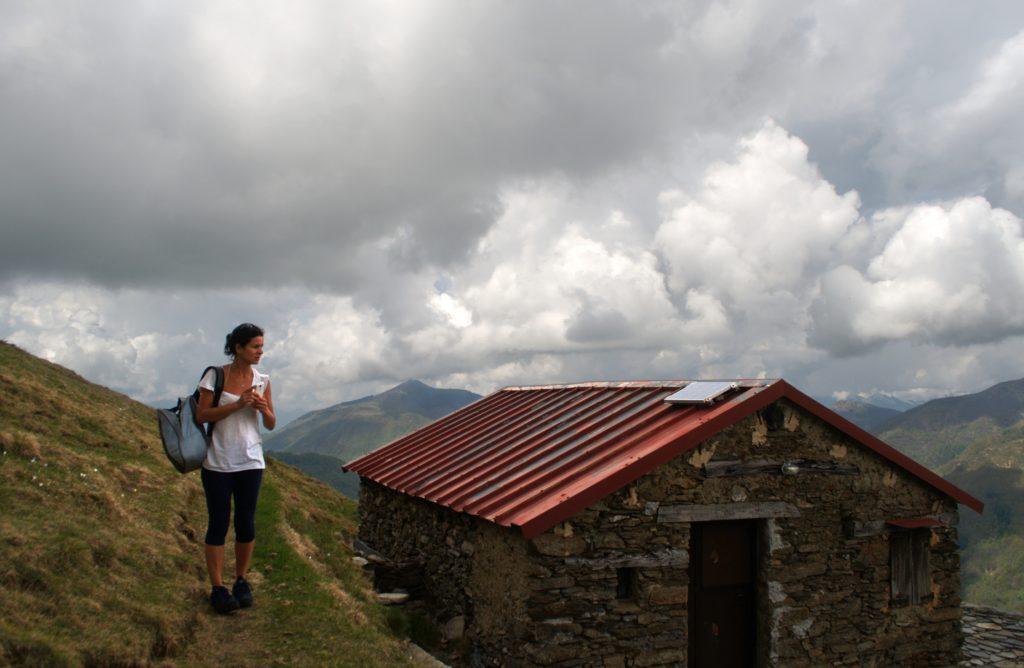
x: 640, y: 384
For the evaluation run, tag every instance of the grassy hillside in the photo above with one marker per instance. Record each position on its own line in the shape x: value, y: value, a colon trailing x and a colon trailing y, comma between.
x: 353, y: 428
x: 324, y: 468
x: 101, y: 546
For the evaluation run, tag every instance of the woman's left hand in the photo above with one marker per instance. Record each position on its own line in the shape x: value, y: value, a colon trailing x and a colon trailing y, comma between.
x: 261, y: 404
x: 265, y: 405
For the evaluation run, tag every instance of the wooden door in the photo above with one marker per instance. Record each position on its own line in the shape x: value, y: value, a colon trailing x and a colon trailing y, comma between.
x: 723, y: 602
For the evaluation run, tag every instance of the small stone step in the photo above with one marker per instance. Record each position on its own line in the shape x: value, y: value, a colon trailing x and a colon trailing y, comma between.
x: 423, y: 658
x: 367, y: 552
x: 393, y: 597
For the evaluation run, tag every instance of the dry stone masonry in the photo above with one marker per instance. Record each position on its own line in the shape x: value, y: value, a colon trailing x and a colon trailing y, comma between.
x: 611, y: 585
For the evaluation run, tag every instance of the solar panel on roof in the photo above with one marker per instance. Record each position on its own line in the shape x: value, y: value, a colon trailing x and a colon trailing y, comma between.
x: 701, y: 392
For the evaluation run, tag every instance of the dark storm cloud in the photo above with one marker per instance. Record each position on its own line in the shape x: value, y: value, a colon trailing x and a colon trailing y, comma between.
x: 185, y: 144
x: 597, y: 326
x: 145, y: 148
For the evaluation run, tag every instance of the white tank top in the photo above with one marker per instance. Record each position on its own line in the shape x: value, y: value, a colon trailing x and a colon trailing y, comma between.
x: 237, y: 444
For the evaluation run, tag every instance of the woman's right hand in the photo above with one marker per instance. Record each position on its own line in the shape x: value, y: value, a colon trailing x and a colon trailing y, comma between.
x: 248, y: 398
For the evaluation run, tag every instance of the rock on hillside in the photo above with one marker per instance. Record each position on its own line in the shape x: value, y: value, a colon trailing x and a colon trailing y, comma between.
x: 353, y: 428
x: 101, y: 559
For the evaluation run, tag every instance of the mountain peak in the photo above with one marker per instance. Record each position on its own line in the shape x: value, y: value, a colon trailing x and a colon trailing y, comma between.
x: 410, y: 385
x: 355, y: 427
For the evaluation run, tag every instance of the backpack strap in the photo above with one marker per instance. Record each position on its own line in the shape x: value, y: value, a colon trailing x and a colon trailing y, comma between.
x: 218, y: 389
x: 218, y: 384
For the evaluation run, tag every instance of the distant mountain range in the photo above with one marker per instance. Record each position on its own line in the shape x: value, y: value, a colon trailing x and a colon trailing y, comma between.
x: 937, y: 432
x: 353, y: 428
x: 864, y: 415
x: 319, y: 442
x: 885, y: 400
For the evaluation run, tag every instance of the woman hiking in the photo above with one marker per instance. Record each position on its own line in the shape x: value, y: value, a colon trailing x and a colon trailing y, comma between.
x: 234, y: 461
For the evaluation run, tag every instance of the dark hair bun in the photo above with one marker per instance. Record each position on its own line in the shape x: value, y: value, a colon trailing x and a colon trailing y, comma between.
x: 240, y: 336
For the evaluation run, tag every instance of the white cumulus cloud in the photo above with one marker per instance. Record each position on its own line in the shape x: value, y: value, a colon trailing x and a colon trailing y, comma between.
x: 759, y: 267
x: 950, y: 274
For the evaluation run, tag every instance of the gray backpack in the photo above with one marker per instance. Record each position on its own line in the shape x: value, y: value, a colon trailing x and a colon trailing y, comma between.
x: 185, y: 439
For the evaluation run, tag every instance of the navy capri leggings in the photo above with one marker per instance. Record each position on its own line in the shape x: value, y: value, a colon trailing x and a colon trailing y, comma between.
x: 219, y: 488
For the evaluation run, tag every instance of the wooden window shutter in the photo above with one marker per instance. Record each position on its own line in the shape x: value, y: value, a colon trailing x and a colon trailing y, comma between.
x: 908, y: 558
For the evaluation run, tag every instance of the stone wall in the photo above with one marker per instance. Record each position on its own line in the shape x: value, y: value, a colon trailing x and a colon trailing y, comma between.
x: 475, y: 573
x: 823, y: 594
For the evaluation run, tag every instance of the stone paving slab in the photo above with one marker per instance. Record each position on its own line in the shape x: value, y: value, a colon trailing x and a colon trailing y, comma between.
x: 992, y: 637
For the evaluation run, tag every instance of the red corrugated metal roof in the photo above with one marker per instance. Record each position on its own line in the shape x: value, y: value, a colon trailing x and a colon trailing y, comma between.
x: 531, y: 457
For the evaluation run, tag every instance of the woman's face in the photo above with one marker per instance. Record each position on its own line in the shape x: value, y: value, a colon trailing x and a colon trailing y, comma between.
x: 251, y: 352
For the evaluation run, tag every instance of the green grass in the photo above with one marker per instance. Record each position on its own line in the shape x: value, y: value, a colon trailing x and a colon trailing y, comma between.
x: 101, y: 559
x: 300, y: 612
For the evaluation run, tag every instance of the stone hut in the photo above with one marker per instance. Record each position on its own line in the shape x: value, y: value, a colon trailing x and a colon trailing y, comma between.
x: 668, y: 523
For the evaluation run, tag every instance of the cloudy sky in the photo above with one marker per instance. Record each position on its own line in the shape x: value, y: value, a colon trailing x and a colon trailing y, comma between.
x: 480, y: 194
